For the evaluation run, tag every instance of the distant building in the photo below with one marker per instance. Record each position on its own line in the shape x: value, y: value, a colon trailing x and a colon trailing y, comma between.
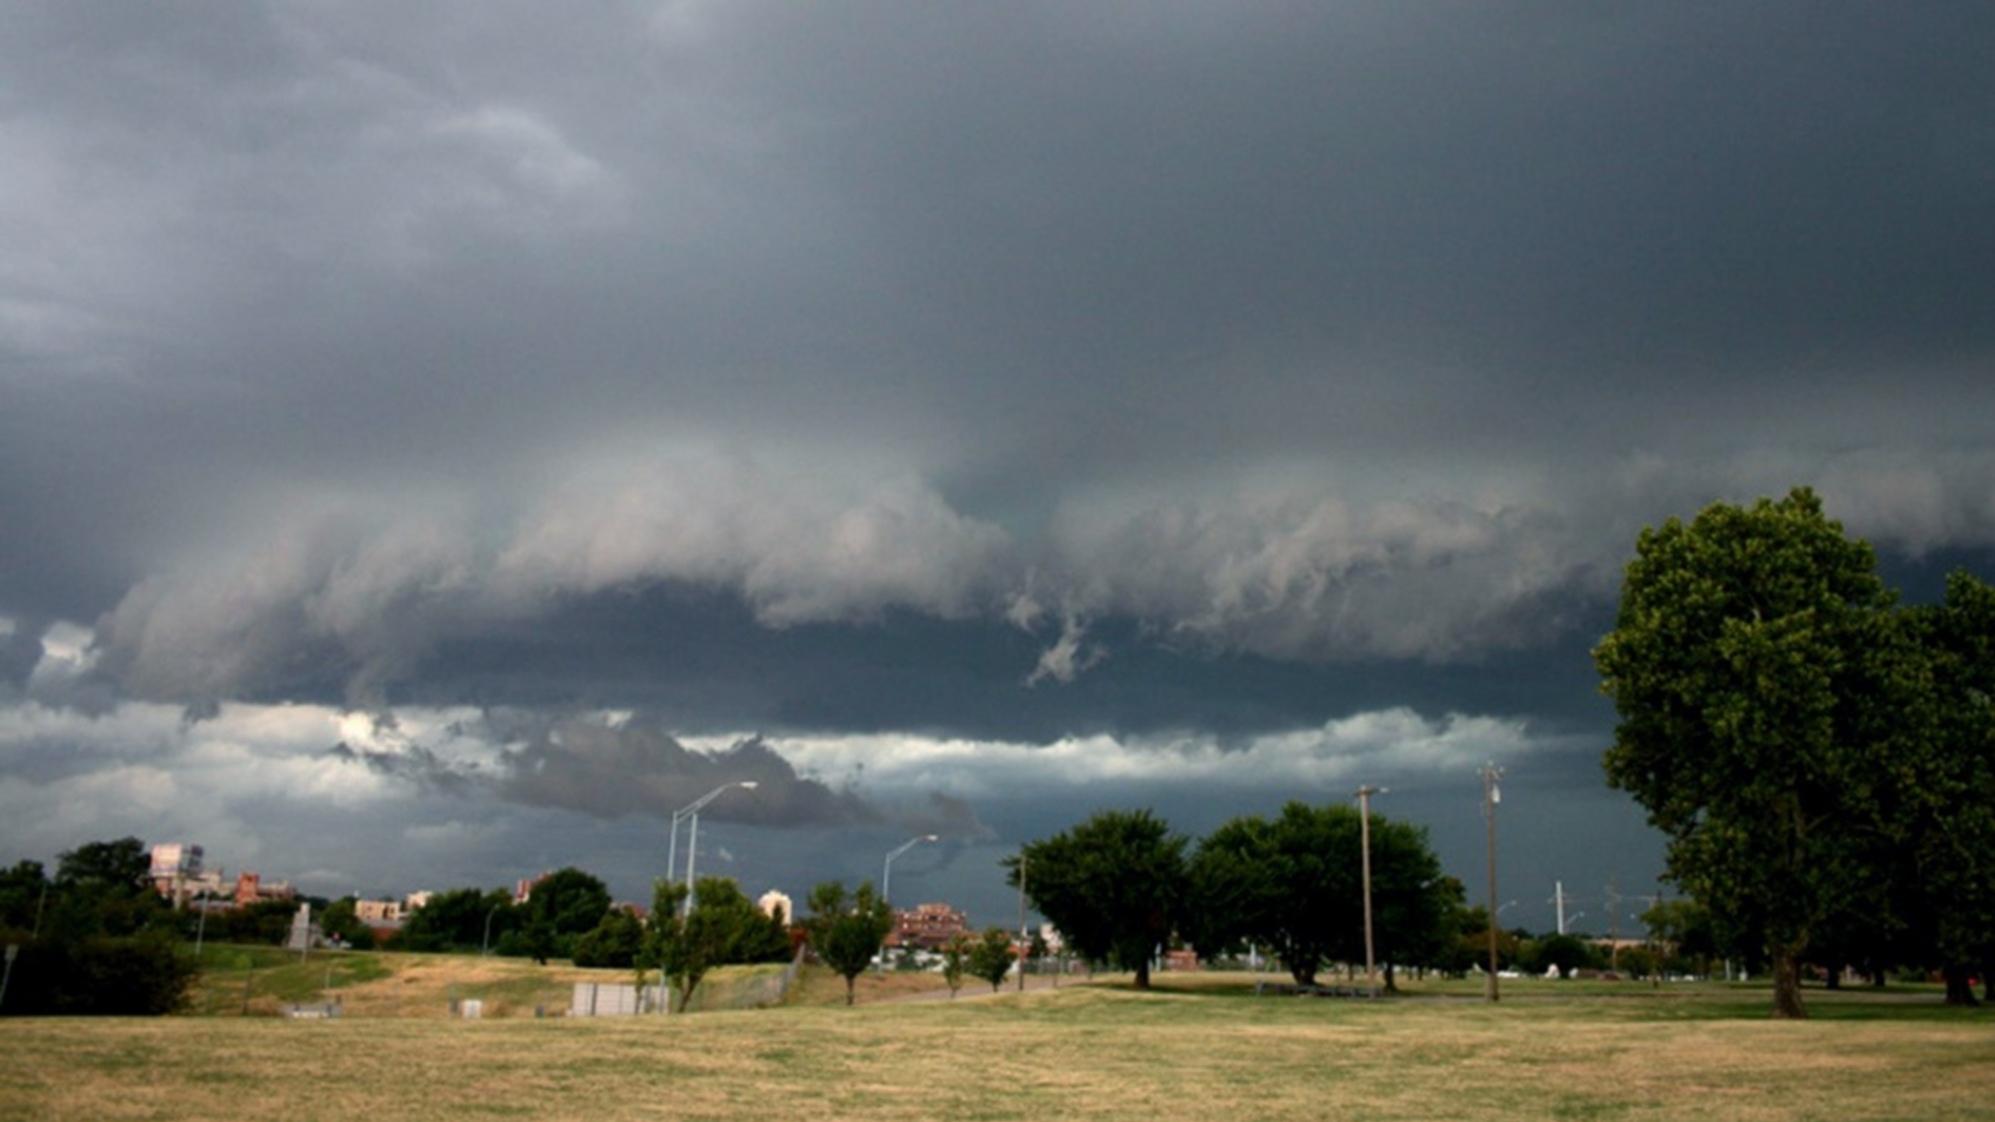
x: 415, y: 900
x: 378, y: 913
x: 927, y: 926
x: 251, y: 889
x: 523, y: 888
x: 773, y: 899
x: 176, y: 872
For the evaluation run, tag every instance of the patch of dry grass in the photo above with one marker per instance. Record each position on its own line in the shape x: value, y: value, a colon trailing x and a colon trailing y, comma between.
x: 1079, y: 1052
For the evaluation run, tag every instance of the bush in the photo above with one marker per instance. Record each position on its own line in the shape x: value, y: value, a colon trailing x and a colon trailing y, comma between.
x: 140, y: 975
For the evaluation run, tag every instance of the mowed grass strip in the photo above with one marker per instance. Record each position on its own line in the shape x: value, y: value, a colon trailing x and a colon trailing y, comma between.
x: 1079, y: 1052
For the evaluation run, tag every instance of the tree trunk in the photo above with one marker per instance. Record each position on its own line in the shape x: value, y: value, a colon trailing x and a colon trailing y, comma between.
x: 1787, y: 983
x: 1835, y: 981
x: 1389, y: 986
x: 850, y: 981
x: 1960, y: 990
x: 1143, y: 974
x: 1303, y: 975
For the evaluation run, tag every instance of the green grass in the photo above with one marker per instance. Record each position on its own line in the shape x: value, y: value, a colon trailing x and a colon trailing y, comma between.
x: 1199, y: 1047
x: 231, y: 974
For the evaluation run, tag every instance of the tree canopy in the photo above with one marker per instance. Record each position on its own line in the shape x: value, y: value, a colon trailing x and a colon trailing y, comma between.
x: 1812, y: 751
x: 991, y: 957
x: 1115, y: 886
x: 1294, y: 885
x: 846, y: 932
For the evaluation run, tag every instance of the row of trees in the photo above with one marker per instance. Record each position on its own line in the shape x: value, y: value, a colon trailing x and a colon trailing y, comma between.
x: 94, y: 938
x: 1121, y: 886
x: 563, y: 906
x: 1819, y: 755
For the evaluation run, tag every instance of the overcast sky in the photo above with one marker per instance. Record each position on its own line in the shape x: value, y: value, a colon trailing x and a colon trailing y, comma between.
x: 438, y: 442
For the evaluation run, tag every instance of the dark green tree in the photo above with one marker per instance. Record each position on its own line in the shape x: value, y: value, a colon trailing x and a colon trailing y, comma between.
x: 990, y: 956
x: 560, y: 907
x: 614, y: 942
x: 102, y: 888
x: 1295, y: 886
x: 22, y: 895
x: 1736, y: 666
x: 1566, y: 953
x: 457, y: 920
x: 120, y: 865
x: 846, y: 932
x: 145, y: 974
x: 1936, y: 792
x: 1115, y: 886
x: 1413, y: 903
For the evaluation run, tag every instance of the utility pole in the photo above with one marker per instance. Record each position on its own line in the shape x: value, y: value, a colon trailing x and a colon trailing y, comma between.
x: 1613, y: 927
x: 1021, y: 921
x: 1559, y: 901
x: 1491, y: 795
x: 1365, y: 794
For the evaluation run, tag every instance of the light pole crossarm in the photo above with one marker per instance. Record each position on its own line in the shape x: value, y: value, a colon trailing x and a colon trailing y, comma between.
x: 692, y: 811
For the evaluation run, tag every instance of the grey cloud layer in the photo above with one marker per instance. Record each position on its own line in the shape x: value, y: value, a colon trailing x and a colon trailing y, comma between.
x: 332, y: 336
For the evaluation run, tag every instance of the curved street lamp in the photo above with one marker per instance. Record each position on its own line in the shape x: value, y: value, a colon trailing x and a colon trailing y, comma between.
x: 692, y: 811
x: 887, y: 880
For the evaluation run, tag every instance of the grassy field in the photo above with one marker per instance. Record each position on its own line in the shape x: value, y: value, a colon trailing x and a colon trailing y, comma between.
x: 258, y: 981
x: 1201, y: 1047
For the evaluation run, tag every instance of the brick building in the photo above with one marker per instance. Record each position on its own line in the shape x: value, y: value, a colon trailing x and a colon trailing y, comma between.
x: 927, y: 926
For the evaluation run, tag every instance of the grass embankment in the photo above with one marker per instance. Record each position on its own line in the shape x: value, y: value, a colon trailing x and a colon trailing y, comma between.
x: 1200, y: 1048
x: 260, y: 980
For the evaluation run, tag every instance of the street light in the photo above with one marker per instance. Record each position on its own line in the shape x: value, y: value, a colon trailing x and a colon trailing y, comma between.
x: 1365, y: 794
x: 485, y: 947
x: 1491, y: 796
x: 692, y: 811
x: 887, y: 880
x: 887, y: 867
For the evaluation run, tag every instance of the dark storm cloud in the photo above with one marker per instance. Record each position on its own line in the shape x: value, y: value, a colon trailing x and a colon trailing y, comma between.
x: 1360, y: 329
x: 611, y: 771
x: 1218, y: 370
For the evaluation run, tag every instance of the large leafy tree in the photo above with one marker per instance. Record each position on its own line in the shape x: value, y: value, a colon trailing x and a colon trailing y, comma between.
x: 1942, y: 823
x: 564, y: 905
x: 1292, y: 886
x: 847, y: 931
x: 101, y: 888
x: 1114, y: 885
x: 457, y: 920
x: 616, y: 941
x: 1295, y: 885
x: 1738, y: 668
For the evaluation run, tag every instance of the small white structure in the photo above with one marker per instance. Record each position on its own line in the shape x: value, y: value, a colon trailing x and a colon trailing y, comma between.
x: 775, y: 898
x: 301, y: 930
